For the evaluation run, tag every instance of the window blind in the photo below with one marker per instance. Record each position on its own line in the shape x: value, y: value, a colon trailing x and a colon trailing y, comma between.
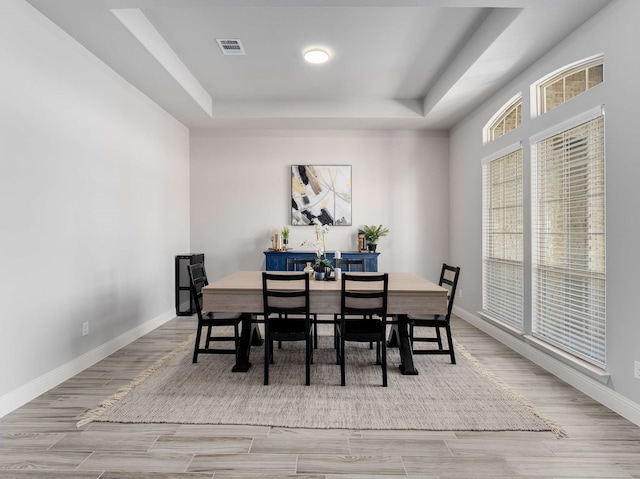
x: 569, y: 308
x: 503, y: 285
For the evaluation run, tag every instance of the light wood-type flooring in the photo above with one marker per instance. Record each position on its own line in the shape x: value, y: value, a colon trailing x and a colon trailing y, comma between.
x: 41, y: 440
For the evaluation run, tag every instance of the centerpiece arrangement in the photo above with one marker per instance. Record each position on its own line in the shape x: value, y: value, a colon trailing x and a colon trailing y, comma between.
x: 322, y: 263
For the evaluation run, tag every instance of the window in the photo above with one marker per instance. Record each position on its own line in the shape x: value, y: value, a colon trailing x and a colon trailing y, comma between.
x: 503, y: 284
x: 569, y: 83
x: 508, y: 118
x: 569, y: 240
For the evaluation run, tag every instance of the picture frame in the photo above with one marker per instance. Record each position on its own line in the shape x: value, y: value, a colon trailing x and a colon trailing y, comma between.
x: 323, y: 192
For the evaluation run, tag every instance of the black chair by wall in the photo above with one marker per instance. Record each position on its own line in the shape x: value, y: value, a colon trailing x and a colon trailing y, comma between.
x: 448, y: 279
x: 207, y: 319
x: 351, y: 265
x: 286, y: 315
x: 363, y: 317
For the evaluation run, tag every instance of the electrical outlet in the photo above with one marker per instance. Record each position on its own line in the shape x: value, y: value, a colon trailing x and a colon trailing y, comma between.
x: 636, y: 369
x: 85, y: 328
x: 460, y: 293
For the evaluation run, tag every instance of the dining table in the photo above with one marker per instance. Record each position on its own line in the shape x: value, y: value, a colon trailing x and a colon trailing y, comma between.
x: 408, y: 293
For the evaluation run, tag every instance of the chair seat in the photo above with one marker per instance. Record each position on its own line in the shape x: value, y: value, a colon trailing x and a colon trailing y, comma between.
x: 221, y: 319
x: 288, y: 326
x: 426, y: 320
x: 362, y: 326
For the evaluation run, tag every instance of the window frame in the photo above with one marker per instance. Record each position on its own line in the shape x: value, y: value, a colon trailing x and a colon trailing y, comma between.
x: 537, y: 88
x: 597, y: 359
x: 499, y: 116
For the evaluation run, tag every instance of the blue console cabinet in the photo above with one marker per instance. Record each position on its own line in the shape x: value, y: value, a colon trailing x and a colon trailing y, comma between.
x: 277, y: 260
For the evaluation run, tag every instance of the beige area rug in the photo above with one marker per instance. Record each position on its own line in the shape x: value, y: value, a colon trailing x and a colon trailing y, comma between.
x: 443, y: 397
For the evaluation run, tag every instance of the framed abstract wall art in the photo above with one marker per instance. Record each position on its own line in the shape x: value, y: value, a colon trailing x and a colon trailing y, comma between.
x: 322, y: 192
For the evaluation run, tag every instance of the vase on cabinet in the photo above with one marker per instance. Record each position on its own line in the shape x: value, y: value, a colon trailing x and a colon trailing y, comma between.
x: 309, y: 269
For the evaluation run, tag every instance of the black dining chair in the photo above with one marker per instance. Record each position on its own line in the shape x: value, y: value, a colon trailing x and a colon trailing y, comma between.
x: 352, y: 265
x: 449, y: 279
x: 363, y: 316
x: 297, y: 264
x: 286, y: 315
x: 208, y: 319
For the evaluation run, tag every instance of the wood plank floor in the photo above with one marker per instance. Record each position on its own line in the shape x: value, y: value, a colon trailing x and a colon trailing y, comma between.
x: 40, y: 440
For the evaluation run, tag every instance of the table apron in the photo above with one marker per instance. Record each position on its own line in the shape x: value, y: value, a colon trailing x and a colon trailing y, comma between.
x: 322, y: 302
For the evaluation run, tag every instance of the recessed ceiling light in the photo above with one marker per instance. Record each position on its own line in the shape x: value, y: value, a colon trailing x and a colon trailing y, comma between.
x: 316, y: 56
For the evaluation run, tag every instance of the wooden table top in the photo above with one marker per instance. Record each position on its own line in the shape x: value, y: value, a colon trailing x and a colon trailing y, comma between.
x: 242, y: 291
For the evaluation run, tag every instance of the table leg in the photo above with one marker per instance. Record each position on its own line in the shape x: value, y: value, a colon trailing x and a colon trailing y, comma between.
x: 399, y: 337
x: 250, y: 336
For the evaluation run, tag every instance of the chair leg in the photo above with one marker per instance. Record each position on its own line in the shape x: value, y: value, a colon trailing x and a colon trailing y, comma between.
x: 450, y: 339
x: 195, y: 351
x: 378, y: 352
x: 315, y: 332
x: 206, y: 344
x: 309, y: 351
x: 384, y: 364
x: 271, y: 351
x: 439, y: 337
x: 267, y: 345
x: 343, y: 378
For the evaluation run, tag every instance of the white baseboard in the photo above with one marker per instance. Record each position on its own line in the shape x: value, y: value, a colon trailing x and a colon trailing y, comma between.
x: 22, y: 395
x: 589, y: 386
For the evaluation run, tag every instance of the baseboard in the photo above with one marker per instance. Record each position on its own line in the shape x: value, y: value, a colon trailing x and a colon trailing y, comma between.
x: 22, y: 395
x: 589, y: 386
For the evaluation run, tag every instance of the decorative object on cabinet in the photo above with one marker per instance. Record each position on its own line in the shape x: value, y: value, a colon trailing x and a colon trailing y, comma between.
x: 278, y: 242
x: 372, y: 234
x: 322, y: 192
x: 184, y: 302
x: 285, y: 237
x: 362, y: 244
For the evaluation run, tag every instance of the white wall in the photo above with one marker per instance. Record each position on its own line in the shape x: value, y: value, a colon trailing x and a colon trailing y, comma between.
x: 613, y: 31
x: 94, y: 185
x: 241, y: 192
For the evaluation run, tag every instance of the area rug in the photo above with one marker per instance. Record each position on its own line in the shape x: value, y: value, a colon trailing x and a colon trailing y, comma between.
x: 443, y: 397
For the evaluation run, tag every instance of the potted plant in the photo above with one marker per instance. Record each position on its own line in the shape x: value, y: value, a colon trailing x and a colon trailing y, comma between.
x: 372, y: 234
x: 321, y: 266
x: 285, y: 236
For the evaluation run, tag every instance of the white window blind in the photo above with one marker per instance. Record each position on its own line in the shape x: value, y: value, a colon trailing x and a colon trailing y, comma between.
x: 503, y: 285
x: 569, y: 241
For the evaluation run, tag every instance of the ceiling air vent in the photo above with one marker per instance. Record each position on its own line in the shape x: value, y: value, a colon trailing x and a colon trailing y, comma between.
x: 230, y: 46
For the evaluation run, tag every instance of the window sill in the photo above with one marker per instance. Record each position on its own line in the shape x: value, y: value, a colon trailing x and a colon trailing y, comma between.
x: 584, y: 367
x: 579, y: 365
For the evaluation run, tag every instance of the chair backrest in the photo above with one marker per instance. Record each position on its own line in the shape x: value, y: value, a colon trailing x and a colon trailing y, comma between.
x: 351, y: 265
x: 197, y: 280
x: 285, y: 293
x: 449, y: 278
x: 296, y: 264
x: 364, y: 294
